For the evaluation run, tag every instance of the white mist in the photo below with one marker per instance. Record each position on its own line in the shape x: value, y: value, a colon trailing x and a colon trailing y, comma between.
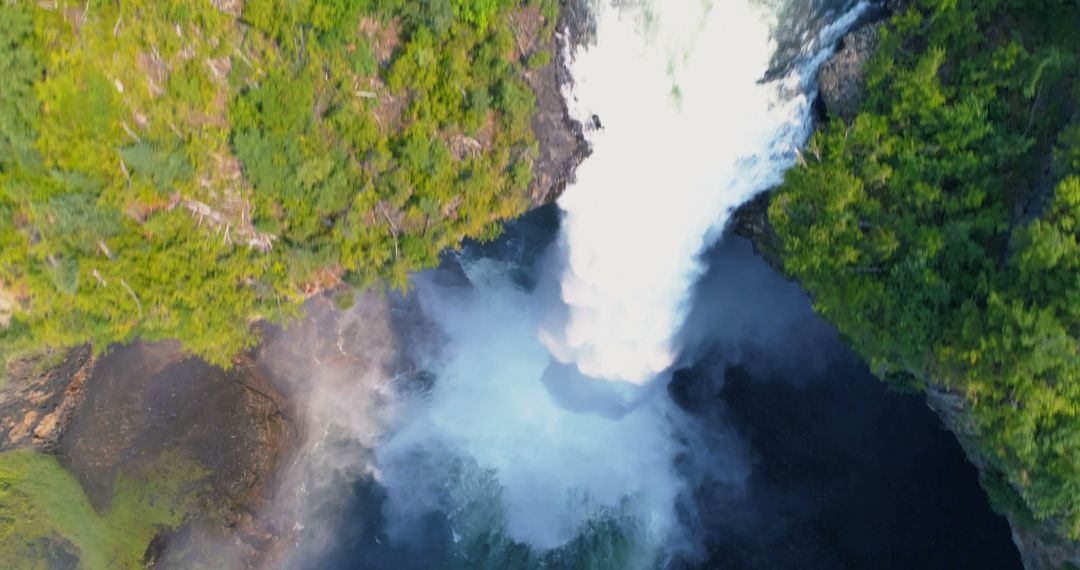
x: 690, y: 131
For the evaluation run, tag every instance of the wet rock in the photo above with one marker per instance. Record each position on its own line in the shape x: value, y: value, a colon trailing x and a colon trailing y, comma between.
x: 562, y: 143
x: 1038, y: 551
x: 751, y: 221
x: 145, y: 398
x: 38, y: 401
x: 577, y: 19
x: 1039, y: 545
x: 109, y: 417
x: 843, y: 75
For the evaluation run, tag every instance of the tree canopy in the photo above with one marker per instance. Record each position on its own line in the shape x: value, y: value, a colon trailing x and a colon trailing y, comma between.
x: 938, y: 231
x: 181, y: 168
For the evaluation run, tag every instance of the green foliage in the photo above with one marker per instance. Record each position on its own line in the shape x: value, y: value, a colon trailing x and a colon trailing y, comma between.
x: 164, y: 168
x: 20, y: 69
x: 363, y: 163
x: 46, y: 520
x: 479, y: 13
x: 539, y: 59
x: 908, y: 228
x: 168, y: 170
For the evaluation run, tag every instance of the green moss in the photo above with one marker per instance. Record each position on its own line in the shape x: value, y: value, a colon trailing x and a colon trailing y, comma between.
x: 45, y: 515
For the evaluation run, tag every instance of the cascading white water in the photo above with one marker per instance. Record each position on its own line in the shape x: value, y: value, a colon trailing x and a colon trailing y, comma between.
x: 491, y: 448
x: 689, y: 131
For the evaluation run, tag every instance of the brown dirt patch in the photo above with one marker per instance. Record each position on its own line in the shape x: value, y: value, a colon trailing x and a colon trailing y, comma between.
x: 325, y: 279
x: 526, y: 24
x: 231, y: 7
x: 156, y: 72
x: 7, y: 307
x: 388, y: 108
x: 385, y: 37
x: 463, y: 146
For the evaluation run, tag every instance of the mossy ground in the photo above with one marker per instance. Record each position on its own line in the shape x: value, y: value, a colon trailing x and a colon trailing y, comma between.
x: 47, y: 521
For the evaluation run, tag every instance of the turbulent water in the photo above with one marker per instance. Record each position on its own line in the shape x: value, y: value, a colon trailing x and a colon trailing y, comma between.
x: 689, y: 130
x: 548, y: 432
x: 535, y: 426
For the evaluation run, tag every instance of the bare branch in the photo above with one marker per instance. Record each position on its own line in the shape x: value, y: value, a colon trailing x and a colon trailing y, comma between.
x: 133, y: 296
x: 393, y: 229
x: 130, y: 132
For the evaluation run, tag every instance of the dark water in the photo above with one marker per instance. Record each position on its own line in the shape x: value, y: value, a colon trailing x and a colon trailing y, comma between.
x: 844, y: 474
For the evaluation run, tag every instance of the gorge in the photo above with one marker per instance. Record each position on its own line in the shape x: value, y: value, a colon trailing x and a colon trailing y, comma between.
x: 616, y: 381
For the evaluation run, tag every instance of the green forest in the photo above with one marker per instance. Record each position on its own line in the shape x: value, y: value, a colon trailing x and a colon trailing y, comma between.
x: 938, y: 230
x: 183, y: 168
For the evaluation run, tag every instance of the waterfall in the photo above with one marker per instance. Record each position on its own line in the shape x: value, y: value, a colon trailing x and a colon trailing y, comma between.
x: 547, y: 434
x: 689, y: 129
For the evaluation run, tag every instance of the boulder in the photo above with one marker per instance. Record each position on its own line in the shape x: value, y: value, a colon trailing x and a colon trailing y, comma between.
x: 843, y: 76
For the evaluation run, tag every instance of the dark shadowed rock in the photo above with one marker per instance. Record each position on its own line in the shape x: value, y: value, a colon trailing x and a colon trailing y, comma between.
x: 751, y: 221
x: 145, y: 398
x: 897, y: 6
x: 843, y: 75
x: 562, y: 144
x: 1040, y: 546
x: 38, y: 401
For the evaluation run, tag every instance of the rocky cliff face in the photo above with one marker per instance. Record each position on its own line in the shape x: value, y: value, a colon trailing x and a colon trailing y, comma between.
x: 842, y: 81
x: 843, y: 76
x: 36, y: 405
x: 106, y: 418
x: 1040, y: 548
x: 562, y: 143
